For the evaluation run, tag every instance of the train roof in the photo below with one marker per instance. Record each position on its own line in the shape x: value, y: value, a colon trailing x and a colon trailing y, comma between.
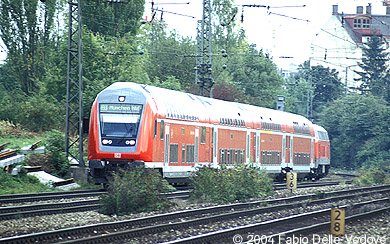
x: 318, y: 128
x: 185, y: 106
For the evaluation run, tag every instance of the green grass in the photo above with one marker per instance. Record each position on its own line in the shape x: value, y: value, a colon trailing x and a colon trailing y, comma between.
x: 18, y: 143
x: 16, y: 136
x: 21, y: 183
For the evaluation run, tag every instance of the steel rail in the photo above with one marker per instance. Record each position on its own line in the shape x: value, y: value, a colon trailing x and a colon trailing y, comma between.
x: 17, y: 212
x: 49, y: 197
x: 27, y: 195
x: 300, y: 185
x: 33, y: 197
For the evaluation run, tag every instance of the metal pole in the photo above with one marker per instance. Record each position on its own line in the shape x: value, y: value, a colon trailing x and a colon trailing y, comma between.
x: 74, y: 84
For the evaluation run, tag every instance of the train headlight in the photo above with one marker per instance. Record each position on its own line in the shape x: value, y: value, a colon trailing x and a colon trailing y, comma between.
x: 106, y: 142
x: 121, y: 98
x: 130, y: 142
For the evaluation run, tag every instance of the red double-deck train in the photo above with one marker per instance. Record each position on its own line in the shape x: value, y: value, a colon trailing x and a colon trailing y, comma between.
x: 175, y: 132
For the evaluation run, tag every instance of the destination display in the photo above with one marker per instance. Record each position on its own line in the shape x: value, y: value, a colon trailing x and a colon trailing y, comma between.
x: 120, y: 108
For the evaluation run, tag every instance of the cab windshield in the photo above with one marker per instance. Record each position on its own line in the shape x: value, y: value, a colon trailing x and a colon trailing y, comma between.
x: 120, y: 120
x: 119, y: 125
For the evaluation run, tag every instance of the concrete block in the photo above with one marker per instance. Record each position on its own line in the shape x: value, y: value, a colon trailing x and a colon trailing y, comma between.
x: 11, y: 160
x: 79, y: 174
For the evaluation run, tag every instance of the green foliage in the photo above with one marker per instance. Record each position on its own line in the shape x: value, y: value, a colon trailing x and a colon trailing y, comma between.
x: 135, y: 190
x: 55, y: 145
x: 358, y: 128
x: 228, y: 185
x: 107, y: 60
x: 112, y: 19
x: 374, y: 174
x: 21, y: 183
x: 317, y: 84
x: 171, y: 83
x: 27, y: 36
x: 33, y: 78
x: 169, y: 56
x: 35, y: 113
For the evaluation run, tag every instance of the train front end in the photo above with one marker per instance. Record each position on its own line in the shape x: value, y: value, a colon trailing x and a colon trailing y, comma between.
x: 119, y: 127
x: 322, y: 151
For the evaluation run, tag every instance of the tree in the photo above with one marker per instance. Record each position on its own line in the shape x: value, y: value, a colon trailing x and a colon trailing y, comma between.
x: 26, y: 28
x: 113, y: 18
x: 169, y: 56
x: 358, y: 128
x: 322, y: 86
x: 375, y: 77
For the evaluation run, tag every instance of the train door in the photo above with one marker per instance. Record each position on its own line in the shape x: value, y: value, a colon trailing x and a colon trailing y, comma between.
x: 196, y: 145
x: 312, y: 153
x: 215, y: 145
x: 166, y: 149
x: 291, y: 149
x: 284, y: 145
x: 257, y: 148
x: 287, y: 150
x: 248, y: 147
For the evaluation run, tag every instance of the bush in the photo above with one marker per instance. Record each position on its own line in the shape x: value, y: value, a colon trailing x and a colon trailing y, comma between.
x: 228, y: 185
x: 36, y: 113
x: 135, y: 190
x: 55, y: 145
x: 374, y: 174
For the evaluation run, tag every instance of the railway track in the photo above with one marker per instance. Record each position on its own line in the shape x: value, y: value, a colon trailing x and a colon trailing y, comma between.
x: 280, y: 186
x: 45, y: 196
x: 192, y: 219
x: 22, y: 211
x: 306, y: 231
x: 308, y: 223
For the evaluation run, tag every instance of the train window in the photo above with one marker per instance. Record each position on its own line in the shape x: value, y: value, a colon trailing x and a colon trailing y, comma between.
x: 203, y: 135
x: 162, y: 130
x: 190, y: 153
x: 119, y: 125
x: 182, y: 130
x: 183, y: 153
x: 173, y: 154
x: 228, y: 157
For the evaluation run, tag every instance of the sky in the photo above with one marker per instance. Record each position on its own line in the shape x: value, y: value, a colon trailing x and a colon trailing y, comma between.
x: 285, y: 30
